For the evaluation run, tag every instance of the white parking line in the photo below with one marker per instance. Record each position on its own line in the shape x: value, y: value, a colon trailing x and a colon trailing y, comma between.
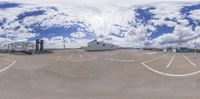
x: 13, y: 62
x: 171, y: 61
x: 167, y: 74
x: 189, y: 60
x: 110, y: 59
x: 155, y: 58
x: 69, y: 58
x: 91, y: 56
x: 81, y: 56
x: 136, y: 55
x: 76, y: 60
x: 171, y: 75
x: 79, y: 60
x: 151, y: 53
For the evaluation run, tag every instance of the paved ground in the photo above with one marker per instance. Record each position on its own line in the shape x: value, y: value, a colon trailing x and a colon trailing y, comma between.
x: 120, y: 74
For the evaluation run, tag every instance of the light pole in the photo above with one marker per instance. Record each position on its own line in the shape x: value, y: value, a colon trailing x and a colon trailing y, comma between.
x: 64, y: 43
x: 195, y: 46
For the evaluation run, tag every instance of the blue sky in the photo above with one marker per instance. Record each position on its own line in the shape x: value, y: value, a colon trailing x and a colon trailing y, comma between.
x: 7, y: 5
x: 44, y: 22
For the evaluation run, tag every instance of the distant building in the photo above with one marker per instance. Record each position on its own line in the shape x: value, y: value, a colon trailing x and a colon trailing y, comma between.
x: 177, y: 49
x: 26, y: 46
x: 100, y: 46
x: 170, y: 49
x: 20, y: 46
x: 184, y: 49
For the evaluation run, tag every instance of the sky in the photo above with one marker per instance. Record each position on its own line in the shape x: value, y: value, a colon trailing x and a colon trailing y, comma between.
x: 126, y: 23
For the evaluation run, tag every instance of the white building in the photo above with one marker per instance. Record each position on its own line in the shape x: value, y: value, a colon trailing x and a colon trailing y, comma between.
x: 100, y: 46
x: 170, y: 49
x: 20, y: 46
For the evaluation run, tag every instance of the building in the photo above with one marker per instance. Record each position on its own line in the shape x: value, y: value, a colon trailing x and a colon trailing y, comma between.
x: 20, y: 46
x: 170, y: 49
x: 26, y: 47
x: 177, y: 49
x: 184, y: 49
x: 100, y: 46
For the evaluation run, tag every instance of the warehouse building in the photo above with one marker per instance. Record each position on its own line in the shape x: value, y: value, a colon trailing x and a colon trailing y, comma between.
x: 100, y: 46
x: 170, y: 49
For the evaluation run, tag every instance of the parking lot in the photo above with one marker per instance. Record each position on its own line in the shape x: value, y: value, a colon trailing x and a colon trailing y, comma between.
x: 118, y: 74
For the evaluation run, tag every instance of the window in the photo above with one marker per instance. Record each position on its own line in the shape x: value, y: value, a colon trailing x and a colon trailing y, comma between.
x: 104, y: 45
x: 98, y: 43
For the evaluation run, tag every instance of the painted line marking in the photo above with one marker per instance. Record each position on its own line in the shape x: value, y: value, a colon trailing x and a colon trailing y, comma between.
x: 13, y: 62
x: 172, y: 75
x: 69, y: 58
x: 166, y: 74
x: 155, y: 58
x: 57, y: 56
x: 171, y: 61
x: 78, y: 60
x: 91, y: 56
x: 110, y: 59
x: 151, y: 53
x: 136, y: 55
x: 189, y: 60
x: 81, y: 56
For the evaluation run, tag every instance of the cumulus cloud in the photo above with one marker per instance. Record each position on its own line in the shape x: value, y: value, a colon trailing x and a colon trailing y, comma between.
x: 137, y: 36
x: 169, y: 16
x: 78, y: 35
x: 4, y: 42
x: 195, y: 15
x: 55, y: 42
x: 96, y: 3
x: 112, y: 21
x: 180, y: 36
x: 58, y: 42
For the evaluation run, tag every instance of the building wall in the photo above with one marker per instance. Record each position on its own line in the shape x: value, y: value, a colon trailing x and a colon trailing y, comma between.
x: 170, y: 50
x: 95, y: 45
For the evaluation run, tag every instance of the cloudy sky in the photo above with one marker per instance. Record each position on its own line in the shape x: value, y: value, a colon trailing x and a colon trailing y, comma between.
x: 127, y: 23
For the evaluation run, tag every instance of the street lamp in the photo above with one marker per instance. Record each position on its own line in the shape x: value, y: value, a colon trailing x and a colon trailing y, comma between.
x: 196, y: 45
x: 64, y: 41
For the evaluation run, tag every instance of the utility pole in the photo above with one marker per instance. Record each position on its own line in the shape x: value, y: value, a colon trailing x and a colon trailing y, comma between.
x: 195, y: 47
x: 64, y: 43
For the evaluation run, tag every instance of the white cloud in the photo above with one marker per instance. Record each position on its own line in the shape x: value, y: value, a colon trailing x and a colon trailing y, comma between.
x: 61, y: 42
x: 103, y: 22
x: 195, y: 15
x: 180, y: 36
x: 4, y: 42
x: 22, y: 34
x: 95, y: 3
x: 78, y: 35
x: 197, y: 29
x: 55, y: 42
x: 134, y: 37
x: 102, y: 17
x: 167, y: 11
